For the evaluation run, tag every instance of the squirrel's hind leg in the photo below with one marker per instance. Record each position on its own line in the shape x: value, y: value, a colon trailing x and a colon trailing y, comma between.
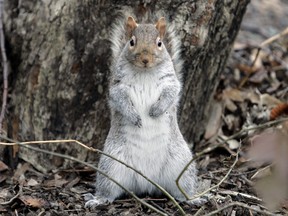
x: 106, y: 190
x: 94, y: 201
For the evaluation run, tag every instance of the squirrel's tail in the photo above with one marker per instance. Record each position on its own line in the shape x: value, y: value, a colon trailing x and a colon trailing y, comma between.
x: 172, y: 40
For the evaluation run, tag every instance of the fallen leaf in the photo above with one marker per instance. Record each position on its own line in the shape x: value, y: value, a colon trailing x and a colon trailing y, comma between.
x: 2, y: 178
x: 214, y: 120
x: 234, y: 94
x: 258, y: 77
x: 3, y: 166
x: 55, y: 183
x: 269, y: 100
x: 73, y: 182
x: 230, y: 105
x: 4, y: 193
x: 21, y: 169
x: 34, y: 202
x: 32, y: 182
x: 247, y: 69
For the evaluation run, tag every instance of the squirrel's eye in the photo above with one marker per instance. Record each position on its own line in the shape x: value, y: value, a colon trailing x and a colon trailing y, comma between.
x: 159, y: 42
x: 132, y: 41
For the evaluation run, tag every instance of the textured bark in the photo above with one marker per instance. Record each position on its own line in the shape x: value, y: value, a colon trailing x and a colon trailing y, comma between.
x: 59, y: 55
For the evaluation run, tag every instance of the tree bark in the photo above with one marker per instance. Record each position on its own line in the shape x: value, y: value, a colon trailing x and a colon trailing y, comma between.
x: 59, y: 55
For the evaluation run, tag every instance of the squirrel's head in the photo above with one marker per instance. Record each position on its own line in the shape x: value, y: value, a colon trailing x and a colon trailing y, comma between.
x: 145, y: 42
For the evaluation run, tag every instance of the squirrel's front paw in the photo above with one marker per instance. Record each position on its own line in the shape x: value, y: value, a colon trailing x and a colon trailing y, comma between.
x: 156, y: 111
x: 136, y: 120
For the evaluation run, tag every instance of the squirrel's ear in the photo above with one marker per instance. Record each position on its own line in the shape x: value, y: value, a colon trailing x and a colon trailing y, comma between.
x: 130, y: 26
x: 161, y: 27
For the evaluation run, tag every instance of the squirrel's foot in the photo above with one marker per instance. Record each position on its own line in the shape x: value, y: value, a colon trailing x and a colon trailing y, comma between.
x: 94, y: 201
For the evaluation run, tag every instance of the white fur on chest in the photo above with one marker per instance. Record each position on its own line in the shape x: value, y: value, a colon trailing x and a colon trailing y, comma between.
x: 148, y: 145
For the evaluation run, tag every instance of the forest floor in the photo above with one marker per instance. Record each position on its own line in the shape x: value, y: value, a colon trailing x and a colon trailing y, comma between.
x: 242, y: 158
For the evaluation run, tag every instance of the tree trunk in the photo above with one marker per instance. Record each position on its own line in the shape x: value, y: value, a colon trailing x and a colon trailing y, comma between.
x: 59, y: 55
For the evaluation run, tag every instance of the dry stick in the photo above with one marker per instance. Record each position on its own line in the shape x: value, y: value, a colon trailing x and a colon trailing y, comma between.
x: 108, y: 155
x: 264, y: 43
x: 211, y: 148
x: 200, y: 211
x: 91, y: 166
x: 262, y: 212
x: 12, y: 199
x: 234, y: 193
x: 5, y: 67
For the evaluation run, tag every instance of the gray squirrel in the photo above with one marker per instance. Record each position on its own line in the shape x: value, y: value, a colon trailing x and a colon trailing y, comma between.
x: 143, y: 96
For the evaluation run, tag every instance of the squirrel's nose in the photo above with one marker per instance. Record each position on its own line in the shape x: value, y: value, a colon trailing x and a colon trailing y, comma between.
x: 145, y: 61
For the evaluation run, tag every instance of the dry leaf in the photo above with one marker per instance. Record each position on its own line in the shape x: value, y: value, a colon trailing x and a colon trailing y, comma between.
x: 269, y: 100
x: 21, y: 169
x: 214, y: 120
x: 3, y: 166
x: 247, y: 69
x: 258, y: 77
x: 34, y: 202
x: 230, y: 105
x: 32, y: 182
x: 55, y: 183
x: 234, y: 94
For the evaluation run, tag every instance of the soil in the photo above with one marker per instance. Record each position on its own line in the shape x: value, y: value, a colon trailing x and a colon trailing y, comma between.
x: 250, y: 94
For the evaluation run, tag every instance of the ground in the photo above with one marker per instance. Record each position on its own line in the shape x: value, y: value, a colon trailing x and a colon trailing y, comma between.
x: 244, y: 170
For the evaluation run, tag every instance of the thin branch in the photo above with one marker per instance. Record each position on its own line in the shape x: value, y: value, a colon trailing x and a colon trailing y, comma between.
x: 13, y: 198
x: 274, y: 37
x: 108, y: 155
x: 200, y: 211
x: 91, y: 166
x: 211, y: 148
x: 234, y: 193
x: 220, y: 182
x: 5, y: 67
x: 262, y: 212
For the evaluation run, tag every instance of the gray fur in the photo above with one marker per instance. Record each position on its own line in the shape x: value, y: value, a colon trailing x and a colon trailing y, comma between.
x: 144, y: 131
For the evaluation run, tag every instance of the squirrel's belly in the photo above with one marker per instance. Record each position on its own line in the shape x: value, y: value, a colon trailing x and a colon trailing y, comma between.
x: 148, y: 150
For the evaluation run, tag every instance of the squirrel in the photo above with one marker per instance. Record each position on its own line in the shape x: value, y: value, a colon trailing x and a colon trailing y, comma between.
x: 144, y: 91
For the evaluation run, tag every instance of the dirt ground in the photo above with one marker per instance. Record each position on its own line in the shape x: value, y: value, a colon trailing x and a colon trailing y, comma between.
x: 249, y: 181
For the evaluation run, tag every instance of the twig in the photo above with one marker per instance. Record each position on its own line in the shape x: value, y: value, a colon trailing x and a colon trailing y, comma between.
x: 220, y: 182
x: 274, y: 37
x: 262, y: 212
x: 234, y: 193
x: 5, y: 67
x: 12, y: 199
x: 91, y: 166
x: 211, y: 148
x: 101, y: 152
x: 159, y: 207
x: 200, y: 211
